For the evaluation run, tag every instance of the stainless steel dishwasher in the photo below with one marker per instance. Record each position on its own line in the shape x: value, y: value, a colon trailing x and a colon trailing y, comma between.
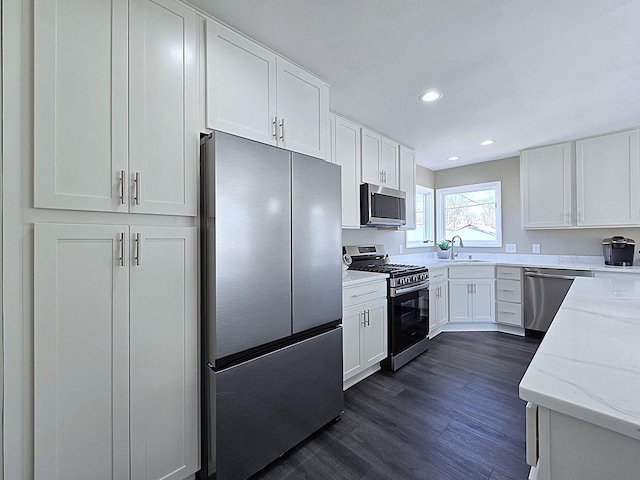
x: 544, y: 291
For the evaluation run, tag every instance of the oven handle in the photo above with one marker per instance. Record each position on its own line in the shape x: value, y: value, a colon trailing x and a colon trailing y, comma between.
x: 401, y: 291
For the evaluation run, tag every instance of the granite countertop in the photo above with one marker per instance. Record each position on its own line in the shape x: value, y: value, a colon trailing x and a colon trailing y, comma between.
x: 588, y: 365
x: 354, y: 277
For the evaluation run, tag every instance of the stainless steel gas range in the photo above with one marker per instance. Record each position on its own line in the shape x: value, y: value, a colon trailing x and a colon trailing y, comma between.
x: 408, y: 293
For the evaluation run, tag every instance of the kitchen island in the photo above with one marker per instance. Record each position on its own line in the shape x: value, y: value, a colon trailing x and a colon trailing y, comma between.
x: 583, y: 386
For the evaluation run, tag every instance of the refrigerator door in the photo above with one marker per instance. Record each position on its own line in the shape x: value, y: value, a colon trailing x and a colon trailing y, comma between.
x: 317, y: 242
x: 252, y: 259
x: 267, y: 405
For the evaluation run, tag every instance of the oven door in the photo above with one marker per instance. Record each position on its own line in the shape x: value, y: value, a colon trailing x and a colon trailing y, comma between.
x: 408, y: 317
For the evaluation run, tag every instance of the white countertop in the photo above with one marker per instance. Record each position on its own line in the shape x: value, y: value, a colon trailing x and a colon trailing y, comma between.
x: 354, y: 277
x: 588, y: 365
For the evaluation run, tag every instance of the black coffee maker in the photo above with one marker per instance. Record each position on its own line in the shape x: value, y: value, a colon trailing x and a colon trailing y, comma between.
x: 618, y: 251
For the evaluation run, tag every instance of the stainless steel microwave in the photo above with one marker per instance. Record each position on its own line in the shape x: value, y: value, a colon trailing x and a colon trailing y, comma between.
x: 381, y: 206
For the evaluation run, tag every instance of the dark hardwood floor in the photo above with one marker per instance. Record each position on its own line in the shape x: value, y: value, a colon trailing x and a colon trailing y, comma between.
x: 451, y: 414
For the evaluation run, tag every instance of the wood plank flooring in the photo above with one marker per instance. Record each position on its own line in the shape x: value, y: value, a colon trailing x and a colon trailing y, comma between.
x: 451, y: 414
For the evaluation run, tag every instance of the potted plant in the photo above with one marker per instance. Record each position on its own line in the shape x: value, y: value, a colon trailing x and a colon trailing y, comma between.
x: 444, y: 247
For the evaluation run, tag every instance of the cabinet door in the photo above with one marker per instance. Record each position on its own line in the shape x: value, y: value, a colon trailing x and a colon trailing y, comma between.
x: 163, y: 106
x: 164, y: 352
x: 80, y: 104
x: 434, y: 298
x: 389, y: 163
x: 375, y: 333
x: 371, y: 152
x: 408, y: 184
x: 241, y: 85
x: 81, y: 352
x: 442, y: 315
x: 546, y: 185
x: 352, y: 337
x: 303, y: 108
x: 460, y: 301
x: 608, y: 179
x: 347, y: 155
x: 483, y: 301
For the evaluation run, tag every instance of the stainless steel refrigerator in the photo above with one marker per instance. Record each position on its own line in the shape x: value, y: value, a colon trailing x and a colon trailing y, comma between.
x: 272, y: 302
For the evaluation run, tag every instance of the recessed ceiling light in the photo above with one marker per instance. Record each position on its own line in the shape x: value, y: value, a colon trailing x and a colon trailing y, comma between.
x: 453, y: 158
x: 430, y: 96
x: 487, y: 142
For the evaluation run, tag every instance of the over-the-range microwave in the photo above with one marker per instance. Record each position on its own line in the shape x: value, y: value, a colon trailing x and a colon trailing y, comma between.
x: 382, y: 206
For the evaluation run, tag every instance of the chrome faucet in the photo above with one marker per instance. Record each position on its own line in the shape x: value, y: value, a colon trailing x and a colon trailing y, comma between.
x: 452, y: 255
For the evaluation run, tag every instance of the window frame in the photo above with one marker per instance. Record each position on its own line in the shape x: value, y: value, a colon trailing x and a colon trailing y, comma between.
x: 440, y: 213
x: 426, y: 232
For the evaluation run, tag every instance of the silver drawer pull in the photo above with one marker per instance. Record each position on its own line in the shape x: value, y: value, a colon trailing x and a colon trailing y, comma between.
x: 121, y: 258
x: 123, y: 187
x: 137, y: 189
x: 508, y: 313
x: 363, y: 293
x: 506, y: 290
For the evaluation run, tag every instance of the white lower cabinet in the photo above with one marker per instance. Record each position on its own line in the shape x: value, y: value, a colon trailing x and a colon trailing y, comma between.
x: 471, y: 300
x: 509, y: 296
x: 438, y: 300
x: 115, y: 342
x: 364, y: 330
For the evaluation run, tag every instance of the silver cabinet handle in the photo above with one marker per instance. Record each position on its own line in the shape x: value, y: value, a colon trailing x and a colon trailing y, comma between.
x: 274, y: 133
x: 506, y: 290
x: 385, y: 175
x: 567, y: 217
x: 380, y: 175
x: 507, y: 313
x: 123, y: 187
x: 122, y: 254
x: 368, y: 318
x: 469, y: 288
x: 282, y: 129
x: 137, y: 184
x: 138, y: 248
x: 475, y: 288
x: 364, y: 318
x: 363, y: 293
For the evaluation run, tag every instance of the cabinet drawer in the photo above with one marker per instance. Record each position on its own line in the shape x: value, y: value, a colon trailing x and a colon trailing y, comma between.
x: 364, y: 293
x: 472, y: 271
x: 438, y: 276
x: 509, y: 291
x: 509, y: 313
x: 509, y: 273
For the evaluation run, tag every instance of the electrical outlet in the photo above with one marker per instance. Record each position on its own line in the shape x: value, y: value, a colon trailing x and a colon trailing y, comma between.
x: 535, y: 248
x: 511, y: 248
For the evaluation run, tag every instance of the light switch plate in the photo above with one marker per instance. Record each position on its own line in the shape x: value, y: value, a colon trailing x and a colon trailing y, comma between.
x: 511, y: 248
x: 535, y: 248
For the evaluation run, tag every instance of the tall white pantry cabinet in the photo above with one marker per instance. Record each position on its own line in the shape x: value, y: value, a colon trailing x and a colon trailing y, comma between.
x: 116, y: 131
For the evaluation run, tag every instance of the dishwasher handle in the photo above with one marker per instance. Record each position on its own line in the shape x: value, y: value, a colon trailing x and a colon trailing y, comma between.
x: 547, y: 275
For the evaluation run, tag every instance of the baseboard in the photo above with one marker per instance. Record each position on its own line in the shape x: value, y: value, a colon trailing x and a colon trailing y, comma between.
x: 478, y: 327
x: 350, y: 382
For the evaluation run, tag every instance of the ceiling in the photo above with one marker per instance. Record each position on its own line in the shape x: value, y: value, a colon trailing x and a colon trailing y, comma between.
x: 525, y: 73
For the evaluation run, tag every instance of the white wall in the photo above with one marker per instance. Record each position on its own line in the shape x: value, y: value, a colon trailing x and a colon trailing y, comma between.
x: 584, y: 241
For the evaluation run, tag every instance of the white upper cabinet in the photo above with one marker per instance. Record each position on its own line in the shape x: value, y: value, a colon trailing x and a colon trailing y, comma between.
x: 379, y: 160
x: 164, y: 353
x: 389, y: 163
x: 241, y: 85
x: 371, y: 154
x: 408, y: 184
x: 303, y: 110
x: 331, y: 144
x: 347, y: 155
x: 253, y: 93
x: 80, y: 110
x: 546, y: 186
x: 608, y: 180
x: 116, y: 98
x: 163, y: 105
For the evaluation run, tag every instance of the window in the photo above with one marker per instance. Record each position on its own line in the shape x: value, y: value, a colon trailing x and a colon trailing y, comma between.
x: 472, y: 211
x: 422, y: 236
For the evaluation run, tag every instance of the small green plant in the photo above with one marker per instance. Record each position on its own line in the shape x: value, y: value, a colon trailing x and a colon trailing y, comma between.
x: 444, y: 245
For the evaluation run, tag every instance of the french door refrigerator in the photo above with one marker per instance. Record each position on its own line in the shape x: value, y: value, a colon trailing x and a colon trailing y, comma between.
x: 272, y: 302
